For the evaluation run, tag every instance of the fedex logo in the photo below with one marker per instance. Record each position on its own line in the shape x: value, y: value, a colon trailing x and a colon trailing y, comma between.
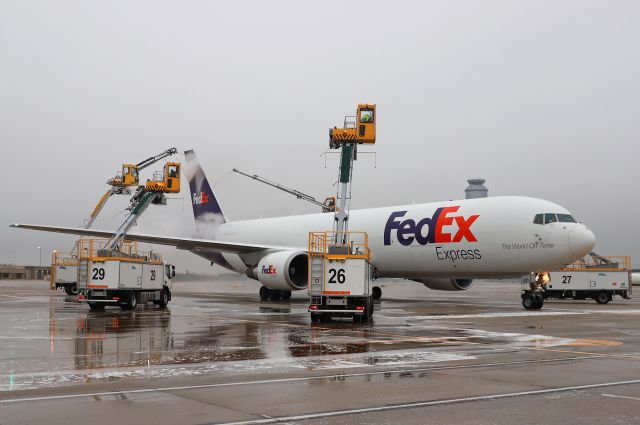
x: 437, y: 231
x: 200, y: 198
x: 269, y: 270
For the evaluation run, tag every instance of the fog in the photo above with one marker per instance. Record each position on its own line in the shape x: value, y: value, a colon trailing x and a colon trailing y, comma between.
x: 540, y: 98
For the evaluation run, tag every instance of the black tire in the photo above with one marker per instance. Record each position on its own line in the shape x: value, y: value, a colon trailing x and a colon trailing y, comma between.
x: 315, y: 318
x: 529, y: 301
x: 376, y: 292
x: 96, y: 306
x: 132, y: 301
x: 71, y: 289
x: 539, y: 301
x: 265, y: 293
x: 164, y: 298
x: 602, y: 297
x: 286, y: 295
x: 370, y: 308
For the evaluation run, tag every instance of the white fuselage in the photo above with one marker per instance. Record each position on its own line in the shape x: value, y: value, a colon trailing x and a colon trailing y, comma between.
x: 475, y: 238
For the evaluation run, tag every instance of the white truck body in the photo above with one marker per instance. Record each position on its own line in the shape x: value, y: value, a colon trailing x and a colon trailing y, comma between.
x: 65, y: 274
x: 592, y: 280
x: 346, y: 278
x: 120, y: 274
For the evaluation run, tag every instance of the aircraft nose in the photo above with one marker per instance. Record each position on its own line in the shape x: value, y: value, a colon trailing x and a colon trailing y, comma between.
x: 581, y: 241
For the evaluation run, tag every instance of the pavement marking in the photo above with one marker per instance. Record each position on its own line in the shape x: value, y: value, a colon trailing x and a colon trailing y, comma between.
x: 283, y: 380
x: 24, y: 298
x: 428, y: 403
x: 614, y: 356
x: 620, y: 396
x: 586, y: 342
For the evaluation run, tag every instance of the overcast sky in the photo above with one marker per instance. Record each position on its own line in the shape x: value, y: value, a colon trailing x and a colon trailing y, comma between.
x: 541, y: 98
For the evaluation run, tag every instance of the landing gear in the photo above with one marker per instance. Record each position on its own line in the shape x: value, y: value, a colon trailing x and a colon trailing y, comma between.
x: 274, y: 294
x: 264, y: 293
x: 376, y: 292
x: 532, y: 300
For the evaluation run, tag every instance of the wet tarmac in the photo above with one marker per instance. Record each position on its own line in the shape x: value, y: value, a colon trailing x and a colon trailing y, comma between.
x: 219, y: 355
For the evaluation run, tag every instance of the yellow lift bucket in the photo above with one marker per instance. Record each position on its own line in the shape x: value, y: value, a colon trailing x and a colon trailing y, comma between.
x: 362, y: 130
x: 170, y: 182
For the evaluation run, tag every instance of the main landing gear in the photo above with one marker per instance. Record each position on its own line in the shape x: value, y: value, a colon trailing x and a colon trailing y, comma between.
x: 376, y: 292
x: 532, y: 300
x: 274, y: 294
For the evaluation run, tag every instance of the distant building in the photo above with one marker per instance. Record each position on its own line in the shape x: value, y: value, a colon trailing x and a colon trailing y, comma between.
x: 24, y: 272
x: 476, y: 189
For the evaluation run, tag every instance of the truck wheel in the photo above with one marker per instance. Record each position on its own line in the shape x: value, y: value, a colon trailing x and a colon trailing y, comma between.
x: 164, y: 298
x: 602, y: 297
x: 315, y: 318
x: 71, y: 289
x: 370, y: 308
x: 376, y: 291
x: 96, y: 306
x: 286, y: 295
x: 265, y: 293
x: 131, y: 302
x: 539, y: 301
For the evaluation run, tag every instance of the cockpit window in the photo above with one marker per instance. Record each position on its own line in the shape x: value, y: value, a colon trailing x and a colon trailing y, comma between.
x: 550, y: 218
x: 538, y: 219
x: 565, y: 218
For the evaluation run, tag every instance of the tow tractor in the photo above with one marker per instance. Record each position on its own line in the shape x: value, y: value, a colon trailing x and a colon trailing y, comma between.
x: 594, y: 276
x: 64, y: 266
x: 340, y: 269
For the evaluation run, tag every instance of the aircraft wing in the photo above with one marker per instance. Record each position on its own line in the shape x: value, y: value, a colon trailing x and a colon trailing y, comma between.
x: 178, y: 242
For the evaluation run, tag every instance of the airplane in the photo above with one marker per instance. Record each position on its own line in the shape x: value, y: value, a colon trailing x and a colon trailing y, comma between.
x: 443, y: 245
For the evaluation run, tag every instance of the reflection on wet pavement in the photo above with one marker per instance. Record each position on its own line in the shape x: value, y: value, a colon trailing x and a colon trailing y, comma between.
x: 56, y: 341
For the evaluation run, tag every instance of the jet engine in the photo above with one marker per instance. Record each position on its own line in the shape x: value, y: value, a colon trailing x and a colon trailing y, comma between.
x: 283, y: 270
x: 446, y: 284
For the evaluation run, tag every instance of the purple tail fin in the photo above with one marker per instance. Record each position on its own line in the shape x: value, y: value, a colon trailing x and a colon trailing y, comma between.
x: 205, y: 205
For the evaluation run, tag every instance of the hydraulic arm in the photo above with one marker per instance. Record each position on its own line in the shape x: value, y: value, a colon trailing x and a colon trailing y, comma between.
x: 327, y: 206
x: 122, y: 183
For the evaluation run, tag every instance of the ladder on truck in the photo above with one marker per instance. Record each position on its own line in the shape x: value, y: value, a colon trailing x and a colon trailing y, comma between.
x: 340, y: 271
x: 121, y: 184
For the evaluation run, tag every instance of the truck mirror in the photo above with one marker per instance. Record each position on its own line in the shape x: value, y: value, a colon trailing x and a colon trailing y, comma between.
x: 173, y: 271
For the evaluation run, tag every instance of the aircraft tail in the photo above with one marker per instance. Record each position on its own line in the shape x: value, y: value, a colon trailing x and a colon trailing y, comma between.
x: 206, y: 208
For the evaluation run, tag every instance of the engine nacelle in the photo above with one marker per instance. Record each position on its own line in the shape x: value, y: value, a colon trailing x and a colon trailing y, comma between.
x: 446, y: 284
x: 283, y: 270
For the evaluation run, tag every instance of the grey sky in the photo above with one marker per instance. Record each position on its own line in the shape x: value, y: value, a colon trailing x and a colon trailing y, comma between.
x: 541, y: 98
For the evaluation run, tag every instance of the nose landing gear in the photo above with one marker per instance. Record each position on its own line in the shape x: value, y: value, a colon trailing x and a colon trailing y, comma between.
x: 533, y: 298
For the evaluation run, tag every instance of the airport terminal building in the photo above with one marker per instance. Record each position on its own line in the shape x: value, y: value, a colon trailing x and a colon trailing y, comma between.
x: 24, y: 272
